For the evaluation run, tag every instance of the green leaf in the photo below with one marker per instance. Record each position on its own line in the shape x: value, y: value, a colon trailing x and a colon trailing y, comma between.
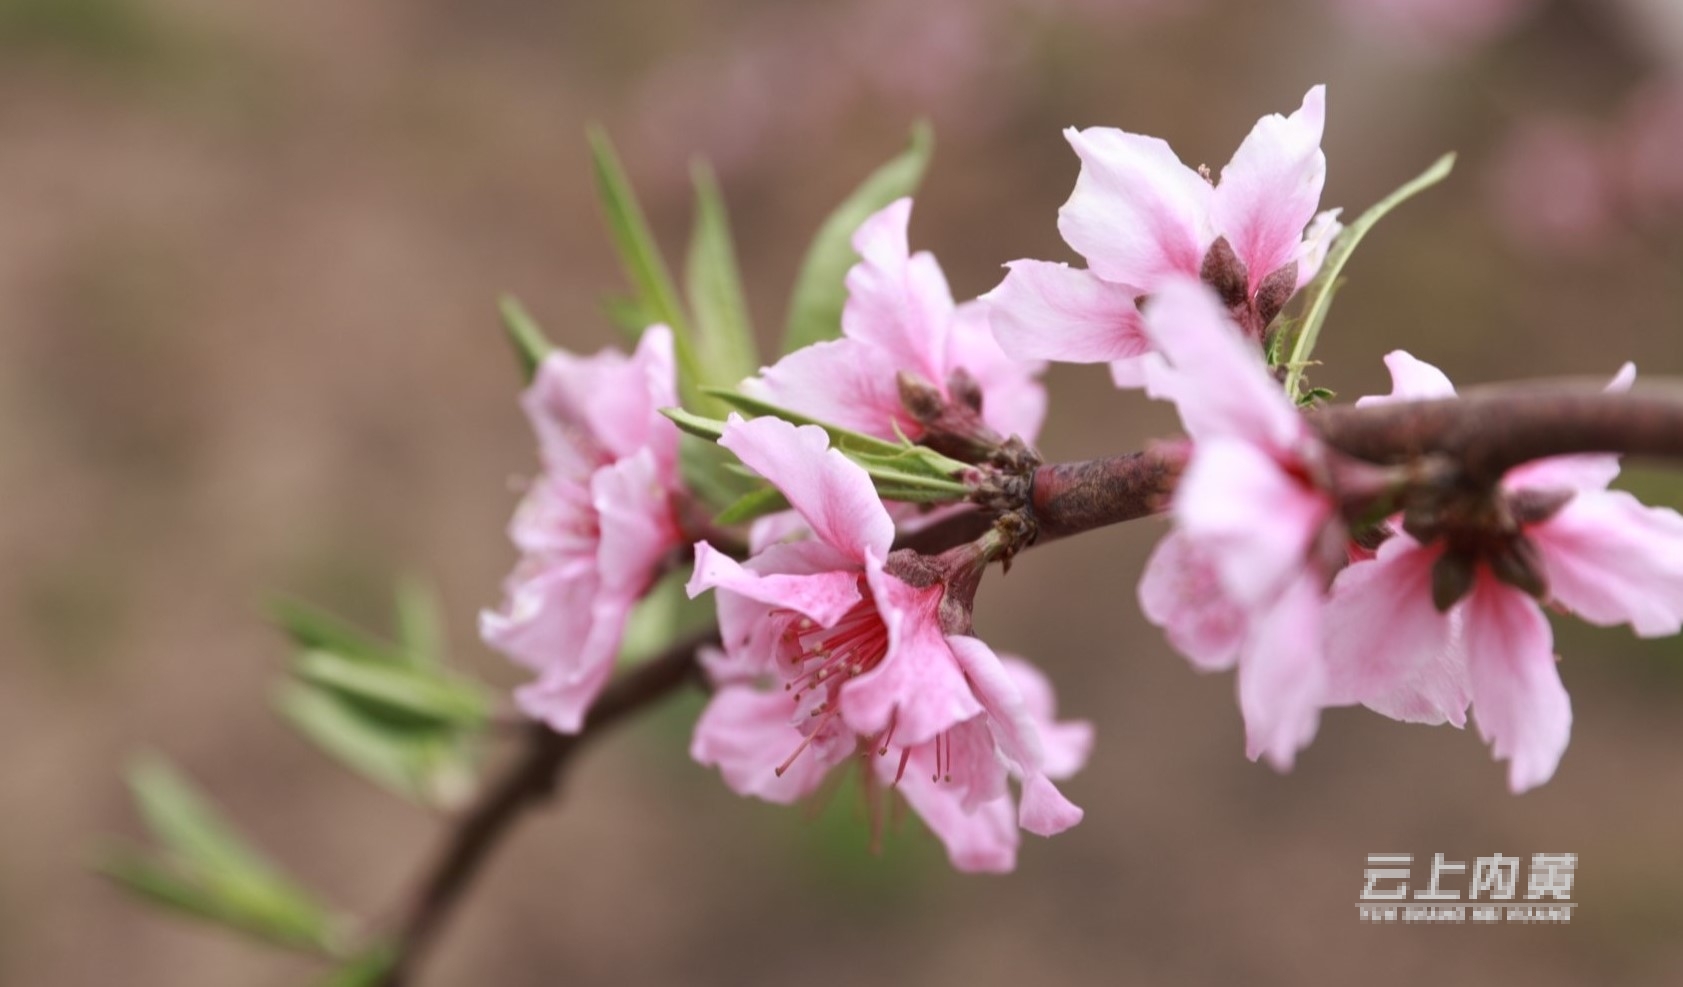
x: 427, y: 696
x: 751, y: 505
x: 820, y: 288
x: 901, y: 471
x: 530, y: 344
x: 274, y: 916
x: 315, y: 629
x: 185, y: 823
x: 700, y: 426
x: 639, y: 255
x: 1318, y: 294
x: 430, y: 767
x: 209, y: 870
x: 420, y: 628
x: 367, y: 970
x: 724, y: 340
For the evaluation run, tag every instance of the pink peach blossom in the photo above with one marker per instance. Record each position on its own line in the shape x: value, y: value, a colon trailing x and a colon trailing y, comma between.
x: 1141, y: 218
x: 900, y: 322
x: 1604, y: 557
x: 1238, y: 582
x: 834, y: 646
x: 595, y: 525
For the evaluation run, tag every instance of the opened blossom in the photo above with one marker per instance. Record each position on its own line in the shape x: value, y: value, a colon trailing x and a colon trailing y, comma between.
x: 909, y: 360
x: 1455, y: 615
x: 1143, y: 219
x: 596, y: 525
x: 837, y: 648
x: 1238, y: 582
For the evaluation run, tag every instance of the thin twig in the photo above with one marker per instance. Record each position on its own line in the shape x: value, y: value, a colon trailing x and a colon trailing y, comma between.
x: 528, y: 781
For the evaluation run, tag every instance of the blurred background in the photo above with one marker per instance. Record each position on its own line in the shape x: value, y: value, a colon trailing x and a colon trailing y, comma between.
x: 249, y: 255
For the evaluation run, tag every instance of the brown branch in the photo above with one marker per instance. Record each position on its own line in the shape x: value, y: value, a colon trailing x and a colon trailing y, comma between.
x: 1487, y: 433
x: 528, y: 781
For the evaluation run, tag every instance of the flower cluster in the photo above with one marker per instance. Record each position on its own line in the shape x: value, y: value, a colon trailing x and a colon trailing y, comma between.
x: 1324, y: 580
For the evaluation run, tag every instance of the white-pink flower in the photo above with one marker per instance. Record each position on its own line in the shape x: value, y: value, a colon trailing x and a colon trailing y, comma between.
x: 596, y: 525
x: 1239, y: 580
x: 900, y: 324
x: 835, y: 647
x: 1594, y: 552
x: 1141, y: 218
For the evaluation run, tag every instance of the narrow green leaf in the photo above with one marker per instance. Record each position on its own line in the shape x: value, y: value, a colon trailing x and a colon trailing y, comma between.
x: 426, y: 695
x: 1318, y: 294
x: 366, y: 970
x: 751, y: 505
x: 186, y: 824
x: 820, y: 289
x: 699, y: 426
x: 432, y: 768
x: 626, y: 315
x: 316, y: 629
x: 530, y: 344
x: 724, y: 340
x: 420, y: 628
x: 284, y: 920
x: 840, y: 437
x: 653, y: 292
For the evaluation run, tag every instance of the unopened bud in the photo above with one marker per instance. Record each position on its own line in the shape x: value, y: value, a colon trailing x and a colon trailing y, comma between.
x: 1452, y: 579
x: 1225, y: 272
x: 965, y: 390
x: 1529, y: 507
x: 1276, y: 289
x: 920, y: 397
x: 1520, y: 565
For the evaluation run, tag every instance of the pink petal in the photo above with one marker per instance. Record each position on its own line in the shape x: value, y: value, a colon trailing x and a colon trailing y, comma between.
x: 1044, y: 810
x: 1612, y: 560
x: 844, y: 382
x: 1269, y: 191
x: 1247, y: 514
x: 1521, y: 708
x: 1135, y: 371
x: 1137, y: 214
x: 1383, y: 632
x: 546, y: 612
x: 586, y: 410
x: 1180, y: 591
x: 1215, y: 375
x: 748, y: 628
x: 747, y: 734
x: 917, y: 686
x: 1438, y: 691
x: 635, y: 519
x: 1282, y: 675
x: 823, y: 596
x: 833, y: 493
x: 1065, y: 744
x: 1411, y: 380
x: 1013, y: 399
x: 562, y: 697
x: 1046, y: 311
x: 897, y: 302
x: 982, y: 841
x: 1317, y: 240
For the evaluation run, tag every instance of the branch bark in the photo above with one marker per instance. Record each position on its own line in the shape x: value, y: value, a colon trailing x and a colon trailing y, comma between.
x: 530, y: 780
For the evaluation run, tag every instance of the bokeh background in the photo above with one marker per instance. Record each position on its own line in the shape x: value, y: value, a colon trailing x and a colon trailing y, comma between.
x: 248, y: 260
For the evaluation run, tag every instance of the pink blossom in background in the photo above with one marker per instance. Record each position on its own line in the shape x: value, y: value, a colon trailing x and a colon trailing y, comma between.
x: 596, y: 525
x: 786, y: 77
x: 900, y: 319
x: 1238, y: 582
x: 1604, y: 557
x: 1552, y: 187
x: 834, y: 649
x: 1435, y: 26
x: 1650, y: 147
x: 1142, y: 219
